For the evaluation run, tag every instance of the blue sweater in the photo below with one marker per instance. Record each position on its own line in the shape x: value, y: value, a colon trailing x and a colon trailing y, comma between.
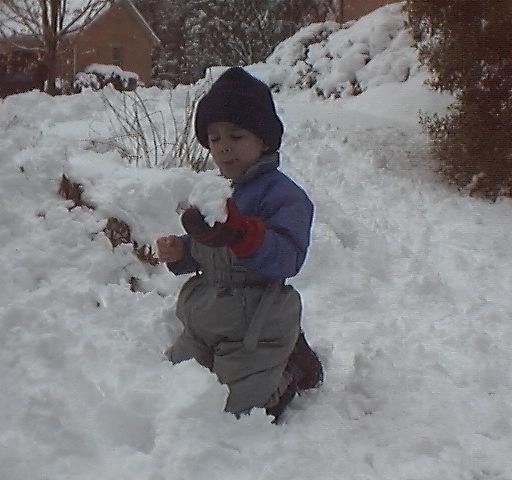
x: 287, y: 213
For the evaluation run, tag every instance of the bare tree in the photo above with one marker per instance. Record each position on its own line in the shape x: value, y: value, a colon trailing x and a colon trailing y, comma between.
x: 47, y: 22
x: 242, y: 32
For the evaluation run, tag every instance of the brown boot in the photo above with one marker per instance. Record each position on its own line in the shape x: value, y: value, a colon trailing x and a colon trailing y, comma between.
x: 304, y: 360
x: 283, y: 396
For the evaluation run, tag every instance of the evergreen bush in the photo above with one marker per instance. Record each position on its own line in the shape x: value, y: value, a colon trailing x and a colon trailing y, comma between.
x: 467, y: 46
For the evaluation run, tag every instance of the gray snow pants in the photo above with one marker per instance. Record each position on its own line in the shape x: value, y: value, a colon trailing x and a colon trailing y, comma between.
x: 238, y: 324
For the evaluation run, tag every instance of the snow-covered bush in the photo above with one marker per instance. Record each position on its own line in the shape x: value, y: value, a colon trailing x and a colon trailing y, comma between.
x: 293, y: 56
x: 345, y: 59
x: 97, y: 76
x: 85, y: 80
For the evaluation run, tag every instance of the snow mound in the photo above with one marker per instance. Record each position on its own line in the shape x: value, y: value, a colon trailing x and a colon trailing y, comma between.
x: 344, y: 60
x: 147, y: 199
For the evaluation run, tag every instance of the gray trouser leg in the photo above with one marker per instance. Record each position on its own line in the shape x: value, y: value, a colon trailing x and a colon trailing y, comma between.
x: 187, y: 347
x: 253, y: 376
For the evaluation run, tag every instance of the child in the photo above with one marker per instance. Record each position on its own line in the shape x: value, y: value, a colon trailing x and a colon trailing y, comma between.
x: 240, y: 318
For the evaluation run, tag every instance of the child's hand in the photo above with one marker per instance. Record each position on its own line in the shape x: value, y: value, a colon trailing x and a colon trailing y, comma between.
x: 243, y: 235
x: 170, y: 248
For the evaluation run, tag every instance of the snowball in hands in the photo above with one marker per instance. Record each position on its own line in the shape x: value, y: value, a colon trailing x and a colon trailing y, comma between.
x: 209, y: 195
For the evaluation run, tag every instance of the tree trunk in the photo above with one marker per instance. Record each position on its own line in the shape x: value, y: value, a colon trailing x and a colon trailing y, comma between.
x: 50, y: 29
x: 51, y: 61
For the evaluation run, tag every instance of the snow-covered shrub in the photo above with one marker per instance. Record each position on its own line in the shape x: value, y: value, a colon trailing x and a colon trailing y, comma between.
x: 295, y: 57
x: 85, y: 81
x: 97, y: 76
x: 339, y: 60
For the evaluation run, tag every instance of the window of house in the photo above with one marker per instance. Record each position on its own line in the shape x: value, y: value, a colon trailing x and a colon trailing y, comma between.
x: 118, y: 56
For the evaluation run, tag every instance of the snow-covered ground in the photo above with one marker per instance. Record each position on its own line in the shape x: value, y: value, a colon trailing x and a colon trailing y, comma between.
x: 406, y: 294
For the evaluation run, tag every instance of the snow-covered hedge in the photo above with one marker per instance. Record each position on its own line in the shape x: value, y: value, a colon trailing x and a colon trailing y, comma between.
x: 85, y: 80
x: 96, y: 76
x: 345, y: 59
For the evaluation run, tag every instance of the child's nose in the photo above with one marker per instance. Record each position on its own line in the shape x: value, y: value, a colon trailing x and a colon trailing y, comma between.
x: 225, y: 148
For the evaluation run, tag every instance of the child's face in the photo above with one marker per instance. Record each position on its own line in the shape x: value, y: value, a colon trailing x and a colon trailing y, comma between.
x: 234, y: 150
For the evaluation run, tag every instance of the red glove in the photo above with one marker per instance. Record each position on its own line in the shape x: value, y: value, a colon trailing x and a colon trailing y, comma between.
x: 243, y: 235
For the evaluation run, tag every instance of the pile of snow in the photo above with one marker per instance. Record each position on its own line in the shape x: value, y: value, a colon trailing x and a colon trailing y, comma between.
x: 148, y: 200
x: 343, y: 60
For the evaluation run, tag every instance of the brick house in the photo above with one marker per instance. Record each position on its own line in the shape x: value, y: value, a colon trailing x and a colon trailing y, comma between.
x: 118, y: 36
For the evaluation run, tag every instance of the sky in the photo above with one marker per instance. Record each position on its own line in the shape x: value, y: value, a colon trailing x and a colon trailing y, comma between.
x: 406, y: 293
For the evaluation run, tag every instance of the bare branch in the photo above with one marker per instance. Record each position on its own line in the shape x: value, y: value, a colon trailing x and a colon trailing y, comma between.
x: 83, y: 17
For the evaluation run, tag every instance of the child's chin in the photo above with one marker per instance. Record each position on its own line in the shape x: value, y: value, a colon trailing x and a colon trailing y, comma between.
x: 230, y: 173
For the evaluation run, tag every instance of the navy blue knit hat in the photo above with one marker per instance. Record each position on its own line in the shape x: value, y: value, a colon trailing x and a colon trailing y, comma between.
x: 242, y: 99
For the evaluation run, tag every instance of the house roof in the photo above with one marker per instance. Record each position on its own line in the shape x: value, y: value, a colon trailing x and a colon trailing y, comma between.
x: 132, y: 9
x: 145, y: 24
